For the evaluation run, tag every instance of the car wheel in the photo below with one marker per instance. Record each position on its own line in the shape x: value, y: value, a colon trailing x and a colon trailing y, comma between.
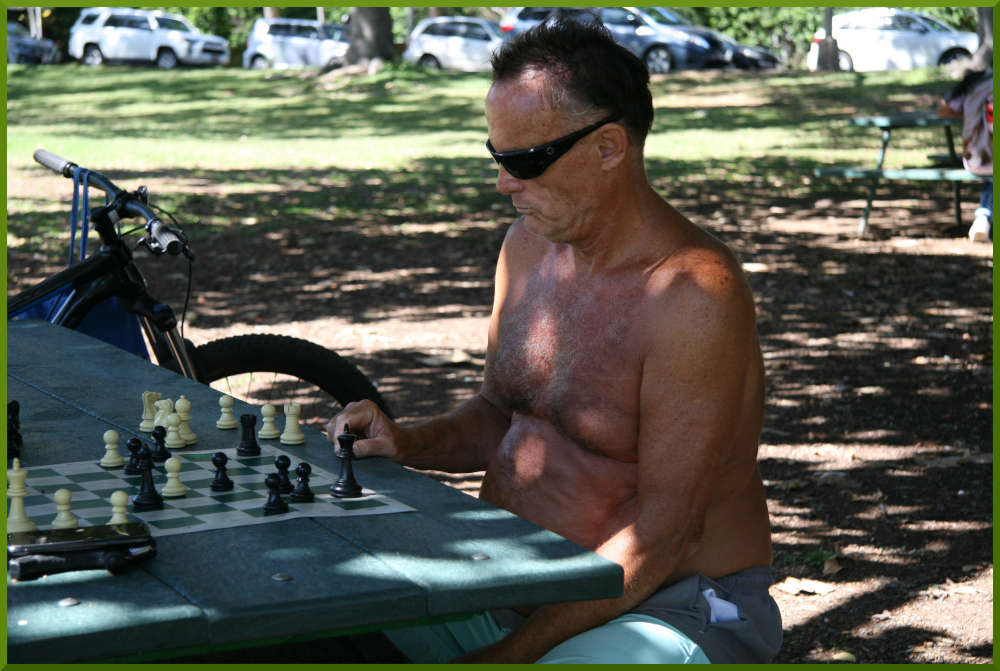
x: 953, y: 55
x: 429, y: 62
x: 166, y: 59
x: 259, y: 63
x: 658, y: 60
x: 92, y: 55
x: 844, y: 62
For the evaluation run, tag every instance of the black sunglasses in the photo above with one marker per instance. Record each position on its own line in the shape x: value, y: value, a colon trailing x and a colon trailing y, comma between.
x: 532, y: 162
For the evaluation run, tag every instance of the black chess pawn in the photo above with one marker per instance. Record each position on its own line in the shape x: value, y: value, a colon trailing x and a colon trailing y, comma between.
x: 147, y: 498
x: 14, y: 440
x: 134, y: 446
x: 302, y: 493
x: 346, y: 487
x: 248, y: 440
x: 222, y: 481
x: 275, y: 504
x: 283, y: 463
x: 160, y: 452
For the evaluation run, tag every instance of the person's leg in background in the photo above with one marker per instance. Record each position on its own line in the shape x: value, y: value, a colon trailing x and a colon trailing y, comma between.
x: 982, y: 224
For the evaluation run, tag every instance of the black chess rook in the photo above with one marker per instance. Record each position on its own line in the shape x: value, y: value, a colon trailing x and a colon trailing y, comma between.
x: 346, y: 487
x: 248, y: 447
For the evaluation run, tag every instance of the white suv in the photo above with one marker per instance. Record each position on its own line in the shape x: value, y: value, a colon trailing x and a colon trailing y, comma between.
x: 284, y: 43
x: 118, y: 34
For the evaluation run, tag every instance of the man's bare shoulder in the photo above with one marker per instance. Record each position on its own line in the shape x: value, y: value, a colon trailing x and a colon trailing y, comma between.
x: 700, y: 268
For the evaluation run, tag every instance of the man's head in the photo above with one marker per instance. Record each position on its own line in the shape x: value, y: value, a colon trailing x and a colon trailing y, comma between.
x: 588, y: 73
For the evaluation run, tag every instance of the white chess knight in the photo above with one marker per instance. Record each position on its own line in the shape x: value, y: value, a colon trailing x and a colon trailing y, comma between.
x: 227, y: 420
x: 149, y: 410
x: 111, y: 458
x: 268, y: 428
x: 292, y: 435
x: 17, y: 517
x: 183, y: 408
x: 163, y: 408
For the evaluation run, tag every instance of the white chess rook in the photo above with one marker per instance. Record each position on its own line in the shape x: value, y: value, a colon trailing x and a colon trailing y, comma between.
x: 17, y: 517
x: 292, y: 435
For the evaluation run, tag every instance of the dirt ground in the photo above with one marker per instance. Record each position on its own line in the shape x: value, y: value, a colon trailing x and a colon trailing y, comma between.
x: 877, y: 448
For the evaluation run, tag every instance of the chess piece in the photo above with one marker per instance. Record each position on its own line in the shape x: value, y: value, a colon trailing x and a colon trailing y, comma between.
x: 283, y: 463
x: 292, y: 435
x: 173, y: 438
x: 221, y: 483
x: 147, y: 498
x: 248, y: 446
x: 275, y: 504
x: 14, y: 440
x: 119, y: 507
x: 302, y: 493
x: 149, y: 410
x: 132, y: 467
x: 111, y: 458
x: 163, y: 408
x: 268, y: 429
x: 346, y: 487
x: 226, y: 418
x: 64, y: 518
x: 17, y: 517
x: 183, y: 408
x: 160, y: 453
x: 174, y: 487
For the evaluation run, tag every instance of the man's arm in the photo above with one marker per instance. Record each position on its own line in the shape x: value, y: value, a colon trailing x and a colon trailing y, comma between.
x: 693, y: 385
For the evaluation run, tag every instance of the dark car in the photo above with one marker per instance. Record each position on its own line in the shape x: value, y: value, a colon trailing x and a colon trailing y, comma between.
x: 23, y: 48
x: 664, y: 38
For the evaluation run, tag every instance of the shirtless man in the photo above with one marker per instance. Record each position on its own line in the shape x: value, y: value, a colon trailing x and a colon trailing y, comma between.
x: 623, y: 390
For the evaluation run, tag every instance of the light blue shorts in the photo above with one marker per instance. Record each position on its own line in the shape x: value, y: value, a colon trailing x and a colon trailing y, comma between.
x: 728, y: 620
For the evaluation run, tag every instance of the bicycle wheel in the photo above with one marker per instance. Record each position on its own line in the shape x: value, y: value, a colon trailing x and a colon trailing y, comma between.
x: 276, y: 369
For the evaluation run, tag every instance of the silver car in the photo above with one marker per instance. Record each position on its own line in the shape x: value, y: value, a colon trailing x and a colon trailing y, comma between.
x: 23, y: 48
x: 283, y: 43
x: 135, y: 35
x: 462, y: 43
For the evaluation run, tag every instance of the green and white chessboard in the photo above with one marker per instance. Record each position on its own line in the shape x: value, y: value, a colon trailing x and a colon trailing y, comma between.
x: 200, y: 509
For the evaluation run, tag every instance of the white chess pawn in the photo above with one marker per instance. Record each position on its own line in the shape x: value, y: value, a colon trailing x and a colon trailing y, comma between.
x: 149, y: 410
x: 292, y: 435
x: 111, y: 458
x: 174, y: 487
x: 64, y: 518
x: 173, y: 439
x: 183, y: 408
x: 226, y: 419
x: 17, y: 518
x: 119, y: 507
x: 163, y: 408
x: 268, y: 428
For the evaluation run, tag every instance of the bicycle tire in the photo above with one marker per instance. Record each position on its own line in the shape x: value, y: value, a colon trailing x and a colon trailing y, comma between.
x: 248, y: 367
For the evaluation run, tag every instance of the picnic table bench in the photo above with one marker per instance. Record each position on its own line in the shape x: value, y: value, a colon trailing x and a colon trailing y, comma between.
x: 942, y: 167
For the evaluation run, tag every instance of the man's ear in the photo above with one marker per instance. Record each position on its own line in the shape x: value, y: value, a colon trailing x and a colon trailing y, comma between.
x: 613, y: 144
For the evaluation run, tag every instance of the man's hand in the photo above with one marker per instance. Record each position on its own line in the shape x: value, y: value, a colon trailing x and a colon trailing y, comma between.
x: 378, y: 436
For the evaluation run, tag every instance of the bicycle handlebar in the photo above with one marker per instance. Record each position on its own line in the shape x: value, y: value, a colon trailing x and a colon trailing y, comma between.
x: 162, y: 238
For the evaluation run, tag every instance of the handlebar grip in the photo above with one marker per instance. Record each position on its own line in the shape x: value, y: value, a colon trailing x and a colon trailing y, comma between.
x: 165, y: 237
x: 54, y: 163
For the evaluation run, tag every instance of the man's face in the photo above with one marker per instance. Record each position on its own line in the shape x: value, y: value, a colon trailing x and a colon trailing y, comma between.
x: 554, y: 204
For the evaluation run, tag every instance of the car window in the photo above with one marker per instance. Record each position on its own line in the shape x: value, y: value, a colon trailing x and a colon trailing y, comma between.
x: 616, y: 16
x: 474, y: 31
x: 534, y: 13
x: 308, y: 32
x: 936, y: 25
x: 167, y: 23
x: 88, y: 19
x: 117, y: 21
x: 666, y: 17
x: 442, y: 28
x: 278, y: 29
x: 334, y: 32
x: 139, y: 23
x: 900, y: 22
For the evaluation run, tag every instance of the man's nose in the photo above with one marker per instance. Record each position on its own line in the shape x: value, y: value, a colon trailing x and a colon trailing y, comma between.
x: 507, y: 183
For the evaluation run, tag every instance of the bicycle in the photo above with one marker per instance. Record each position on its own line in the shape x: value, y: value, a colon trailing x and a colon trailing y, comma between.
x: 257, y: 368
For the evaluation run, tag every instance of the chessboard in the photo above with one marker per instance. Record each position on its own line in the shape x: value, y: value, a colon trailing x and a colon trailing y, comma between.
x: 200, y: 509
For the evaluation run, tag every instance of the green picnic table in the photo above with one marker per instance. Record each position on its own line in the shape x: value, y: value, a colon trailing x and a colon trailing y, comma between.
x: 288, y: 579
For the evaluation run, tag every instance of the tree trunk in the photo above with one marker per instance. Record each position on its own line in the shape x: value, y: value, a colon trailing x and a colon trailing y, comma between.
x: 829, y: 58
x: 370, y: 35
x: 270, y: 12
x: 983, y: 58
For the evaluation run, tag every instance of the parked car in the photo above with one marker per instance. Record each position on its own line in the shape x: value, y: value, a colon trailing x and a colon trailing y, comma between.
x: 454, y: 43
x: 105, y: 34
x: 664, y: 38
x: 284, y: 43
x: 23, y: 48
x: 883, y: 38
